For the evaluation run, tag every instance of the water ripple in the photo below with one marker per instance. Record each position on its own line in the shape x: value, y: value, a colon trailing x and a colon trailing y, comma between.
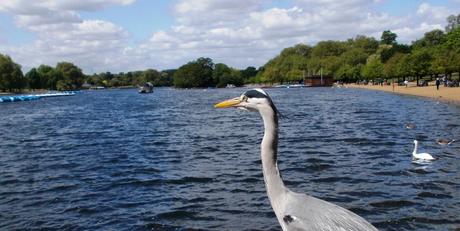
x: 118, y: 160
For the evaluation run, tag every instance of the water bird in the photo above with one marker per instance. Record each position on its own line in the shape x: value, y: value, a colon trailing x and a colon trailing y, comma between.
x: 420, y: 156
x: 410, y: 125
x: 294, y: 211
x: 442, y: 141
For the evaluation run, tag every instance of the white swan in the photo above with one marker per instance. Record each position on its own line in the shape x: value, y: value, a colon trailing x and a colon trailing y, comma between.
x: 420, y: 156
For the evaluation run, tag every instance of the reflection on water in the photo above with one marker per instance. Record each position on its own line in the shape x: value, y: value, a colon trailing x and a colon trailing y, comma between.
x: 116, y: 160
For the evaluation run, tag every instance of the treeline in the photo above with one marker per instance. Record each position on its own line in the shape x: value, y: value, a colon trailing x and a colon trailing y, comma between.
x: 132, y: 78
x: 65, y: 76
x: 204, y: 73
x: 365, y: 58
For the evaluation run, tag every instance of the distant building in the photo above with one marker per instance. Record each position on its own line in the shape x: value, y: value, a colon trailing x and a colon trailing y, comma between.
x: 318, y: 81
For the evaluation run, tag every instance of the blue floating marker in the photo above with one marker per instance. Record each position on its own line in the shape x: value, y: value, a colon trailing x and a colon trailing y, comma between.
x: 5, y: 99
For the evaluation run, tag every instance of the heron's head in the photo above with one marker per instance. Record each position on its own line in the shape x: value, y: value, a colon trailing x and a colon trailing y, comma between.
x: 252, y: 100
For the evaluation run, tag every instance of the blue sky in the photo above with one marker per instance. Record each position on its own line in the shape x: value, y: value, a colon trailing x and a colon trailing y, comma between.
x: 124, y: 35
x: 140, y: 19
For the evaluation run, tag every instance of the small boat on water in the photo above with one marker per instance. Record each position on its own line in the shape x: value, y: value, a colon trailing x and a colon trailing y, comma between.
x: 97, y: 88
x: 147, y: 88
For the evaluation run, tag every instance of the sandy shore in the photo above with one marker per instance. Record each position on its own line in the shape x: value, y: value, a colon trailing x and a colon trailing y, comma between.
x: 446, y: 94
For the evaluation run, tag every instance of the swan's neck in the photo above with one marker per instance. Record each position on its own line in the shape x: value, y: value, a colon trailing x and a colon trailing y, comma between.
x: 415, y: 149
x: 269, y: 146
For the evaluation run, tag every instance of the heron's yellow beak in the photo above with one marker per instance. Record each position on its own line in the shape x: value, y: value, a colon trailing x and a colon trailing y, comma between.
x: 228, y: 103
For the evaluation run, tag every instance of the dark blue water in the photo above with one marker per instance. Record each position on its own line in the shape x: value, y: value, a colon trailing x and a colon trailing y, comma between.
x: 119, y: 160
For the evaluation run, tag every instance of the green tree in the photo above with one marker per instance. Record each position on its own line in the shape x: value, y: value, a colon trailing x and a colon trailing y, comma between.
x: 11, y: 77
x: 167, y: 77
x: 248, y: 73
x: 328, y: 48
x: 195, y: 74
x: 388, y: 37
x: 373, y: 68
x: 395, y: 66
x: 72, y: 76
x: 447, y: 55
x: 368, y: 44
x: 453, y: 22
x: 288, y: 66
x: 348, y: 73
x: 34, y: 79
x: 232, y: 77
x: 419, y: 62
x: 149, y: 75
x: 45, y: 73
x: 55, y: 78
x: 220, y: 69
x: 430, y: 39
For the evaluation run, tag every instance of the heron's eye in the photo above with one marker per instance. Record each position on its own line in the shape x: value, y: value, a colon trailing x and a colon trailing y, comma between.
x: 244, y: 98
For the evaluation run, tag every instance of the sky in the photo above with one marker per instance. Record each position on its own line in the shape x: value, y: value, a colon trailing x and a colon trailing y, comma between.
x: 129, y: 35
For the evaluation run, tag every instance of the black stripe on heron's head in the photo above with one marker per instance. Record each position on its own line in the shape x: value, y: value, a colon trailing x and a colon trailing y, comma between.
x: 259, y: 93
x: 256, y: 94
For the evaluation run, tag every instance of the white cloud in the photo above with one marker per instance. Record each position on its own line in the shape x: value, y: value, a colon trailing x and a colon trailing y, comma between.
x: 412, y: 34
x: 35, y: 7
x: 438, y: 13
x: 236, y: 32
x: 62, y: 35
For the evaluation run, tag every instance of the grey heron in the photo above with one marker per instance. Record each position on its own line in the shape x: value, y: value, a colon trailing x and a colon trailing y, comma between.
x: 294, y: 211
x: 420, y: 156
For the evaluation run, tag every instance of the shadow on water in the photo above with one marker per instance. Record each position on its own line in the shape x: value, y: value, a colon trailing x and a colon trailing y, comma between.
x: 117, y: 160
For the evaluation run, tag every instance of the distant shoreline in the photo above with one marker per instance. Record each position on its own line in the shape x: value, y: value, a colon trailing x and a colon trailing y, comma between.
x: 444, y: 94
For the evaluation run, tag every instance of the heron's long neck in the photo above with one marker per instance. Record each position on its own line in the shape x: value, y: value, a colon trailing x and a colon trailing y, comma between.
x: 269, y: 146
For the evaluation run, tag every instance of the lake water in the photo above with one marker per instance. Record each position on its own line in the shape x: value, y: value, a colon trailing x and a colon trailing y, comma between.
x: 119, y: 160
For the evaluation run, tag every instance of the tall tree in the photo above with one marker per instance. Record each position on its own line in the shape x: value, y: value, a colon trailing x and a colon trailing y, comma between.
x: 220, y: 70
x: 368, y: 44
x: 388, y: 37
x: 453, y: 22
x: 430, y: 39
x: 11, y: 77
x: 373, y: 68
x: 48, y: 76
x: 72, y: 75
x: 195, y: 74
x: 249, y: 72
x: 34, y: 79
x: 419, y: 62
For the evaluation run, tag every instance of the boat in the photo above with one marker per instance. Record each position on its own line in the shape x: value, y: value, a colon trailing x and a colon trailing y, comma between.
x: 147, y: 88
x: 295, y: 86
x: 97, y: 88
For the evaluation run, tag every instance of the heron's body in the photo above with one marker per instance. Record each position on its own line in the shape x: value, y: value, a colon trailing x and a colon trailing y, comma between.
x: 294, y: 211
x: 420, y: 156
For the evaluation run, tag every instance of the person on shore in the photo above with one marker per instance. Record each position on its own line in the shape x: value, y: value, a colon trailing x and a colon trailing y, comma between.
x: 406, y: 82
x: 437, y: 83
